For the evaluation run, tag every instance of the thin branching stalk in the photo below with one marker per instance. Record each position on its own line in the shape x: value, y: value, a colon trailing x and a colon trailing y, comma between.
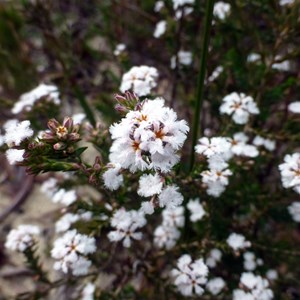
x: 88, y: 111
x: 201, y: 76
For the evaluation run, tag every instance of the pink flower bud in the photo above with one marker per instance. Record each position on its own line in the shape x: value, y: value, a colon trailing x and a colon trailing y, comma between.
x: 59, y: 146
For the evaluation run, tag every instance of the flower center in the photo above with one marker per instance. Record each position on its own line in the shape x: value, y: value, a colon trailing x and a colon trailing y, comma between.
x: 159, y: 134
x: 136, y: 146
x: 61, y: 131
x: 142, y: 118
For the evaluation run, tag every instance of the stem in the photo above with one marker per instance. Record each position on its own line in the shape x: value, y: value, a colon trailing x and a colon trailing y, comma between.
x: 201, y: 76
x: 89, y: 113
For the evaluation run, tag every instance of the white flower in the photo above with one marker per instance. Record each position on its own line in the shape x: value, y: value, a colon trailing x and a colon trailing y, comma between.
x: 147, y: 207
x: 64, y: 197
x: 286, y: 2
x: 270, y: 144
x: 160, y: 29
x: 21, y: 238
x: 294, y: 107
x: 290, y: 172
x: 65, y: 222
x: 250, y: 261
x: 166, y: 237
x: 17, y: 132
x: 178, y: 3
x: 173, y: 217
x: 221, y: 10
x: 258, y: 288
x: 140, y: 79
x: 70, y: 251
x: 126, y: 223
x: 253, y: 57
x: 239, y: 294
x: 182, y: 12
x: 217, y: 177
x: 267, y: 143
x: 170, y: 197
x: 215, y: 285
x: 237, y: 241
x: 294, y: 210
x: 272, y: 274
x: 49, y: 187
x: 190, y: 276
x: 78, y: 118
x: 14, y: 155
x: 214, y: 257
x: 239, y: 145
x: 282, y: 66
x: 119, y: 49
x: 158, y: 6
x: 88, y: 292
x: 148, y: 138
x: 150, y: 185
x: 112, y: 177
x: 196, y: 210
x: 239, y: 106
x: 215, y: 145
x: 27, y: 100
x: 215, y: 74
x: 184, y: 58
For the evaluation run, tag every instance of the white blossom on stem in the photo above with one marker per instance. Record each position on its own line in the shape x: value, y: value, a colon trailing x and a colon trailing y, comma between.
x: 16, y: 132
x: 22, y: 237
x: 239, y: 106
x: 190, y: 275
x: 140, y: 79
x: 126, y: 224
x: 237, y: 241
x: 70, y: 251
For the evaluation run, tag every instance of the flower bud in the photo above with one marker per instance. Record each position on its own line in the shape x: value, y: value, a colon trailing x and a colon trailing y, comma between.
x: 120, y: 108
x: 59, y: 146
x: 68, y: 123
x: 74, y: 137
x: 53, y: 124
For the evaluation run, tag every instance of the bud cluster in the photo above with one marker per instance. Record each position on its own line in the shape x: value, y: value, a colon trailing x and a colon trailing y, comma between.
x: 128, y: 101
x: 62, y: 136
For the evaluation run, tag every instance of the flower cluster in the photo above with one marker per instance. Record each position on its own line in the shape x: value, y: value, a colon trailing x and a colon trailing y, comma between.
x: 70, y: 251
x: 251, y: 262
x: 215, y: 256
x: 65, y: 222
x: 148, y: 138
x: 256, y: 288
x: 190, y: 275
x: 218, y: 150
x: 140, y: 80
x: 221, y: 10
x: 22, y: 238
x: 239, y: 106
x: 215, y: 285
x: 196, y: 209
x: 237, y: 241
x: 167, y: 234
x: 56, y: 194
x: 62, y: 136
x: 184, y: 58
x: 290, y: 172
x: 43, y: 91
x: 126, y: 224
x: 15, y: 134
